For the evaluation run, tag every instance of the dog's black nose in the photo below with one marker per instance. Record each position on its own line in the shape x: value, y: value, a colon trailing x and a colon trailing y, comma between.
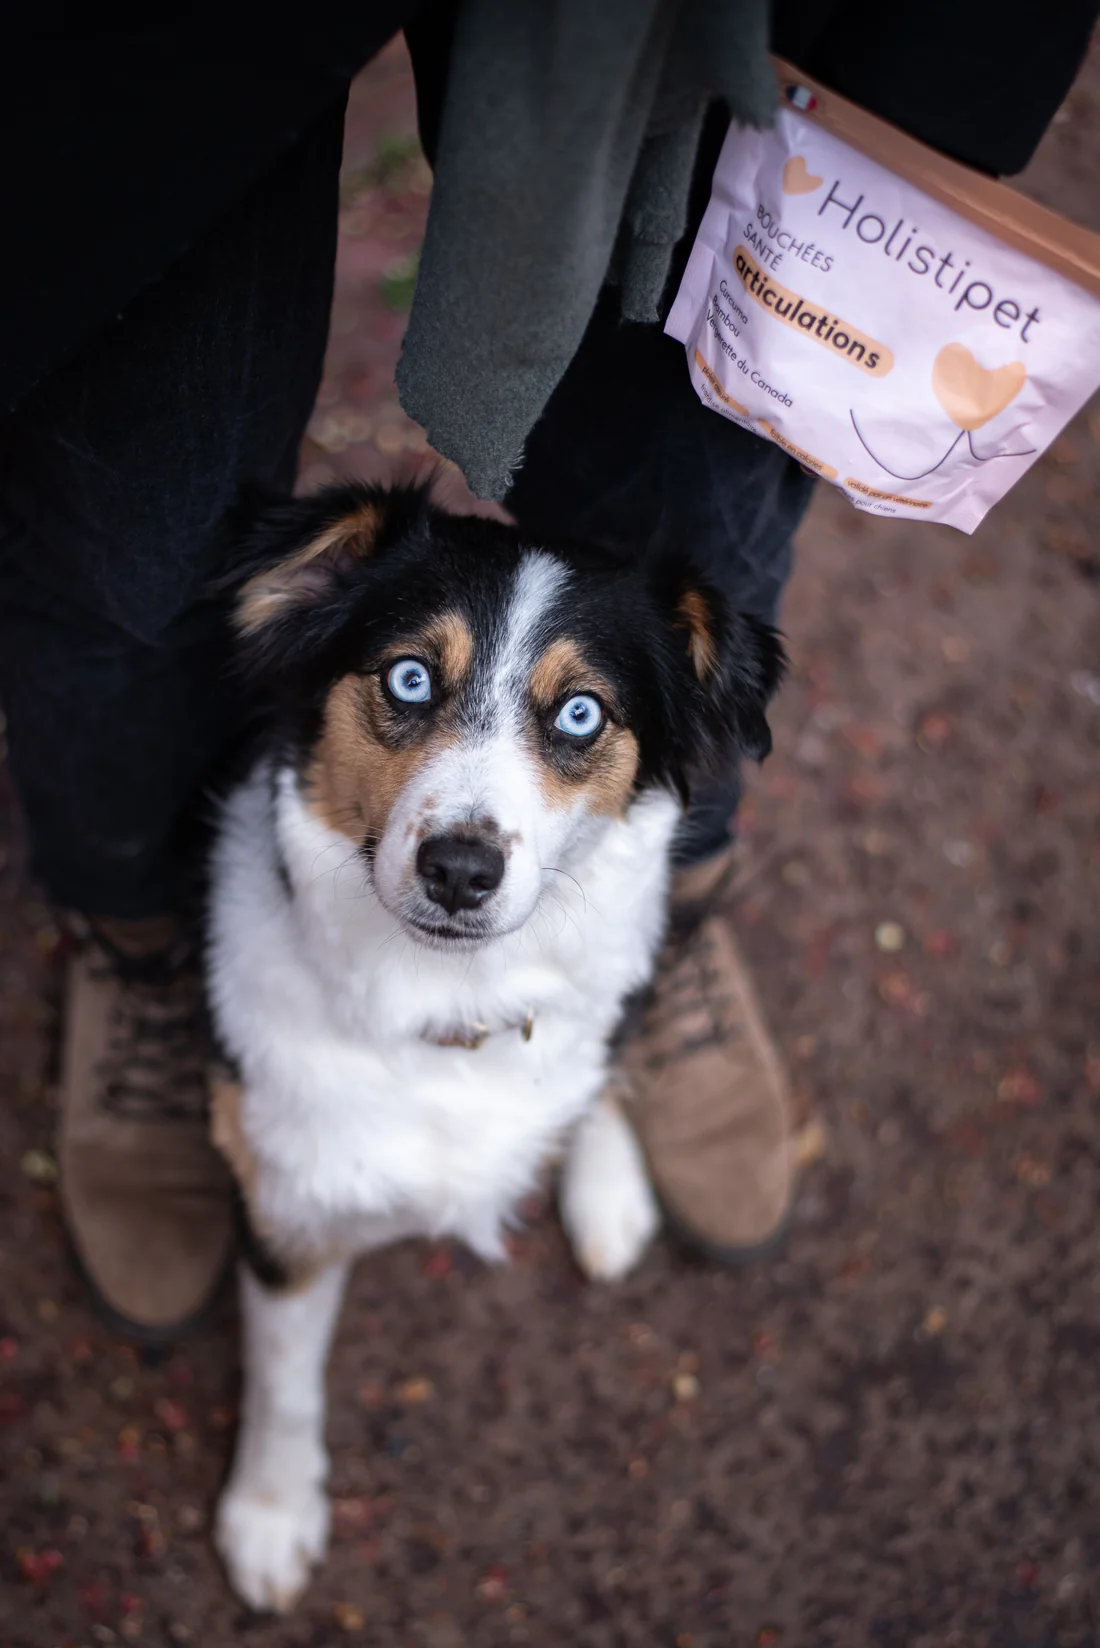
x: 457, y: 873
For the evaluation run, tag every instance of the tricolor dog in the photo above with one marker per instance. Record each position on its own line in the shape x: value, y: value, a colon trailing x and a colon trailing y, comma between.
x: 431, y: 897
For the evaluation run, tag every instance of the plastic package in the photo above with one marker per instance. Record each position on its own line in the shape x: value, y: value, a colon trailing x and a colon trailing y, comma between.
x: 910, y: 331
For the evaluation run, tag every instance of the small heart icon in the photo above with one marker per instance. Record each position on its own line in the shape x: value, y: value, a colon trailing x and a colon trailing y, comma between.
x: 797, y: 180
x: 971, y: 393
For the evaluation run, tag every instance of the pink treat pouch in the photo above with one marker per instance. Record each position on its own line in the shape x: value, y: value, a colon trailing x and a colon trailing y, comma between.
x: 910, y: 331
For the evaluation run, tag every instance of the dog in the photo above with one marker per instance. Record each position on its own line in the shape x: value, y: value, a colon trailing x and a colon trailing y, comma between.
x: 432, y: 894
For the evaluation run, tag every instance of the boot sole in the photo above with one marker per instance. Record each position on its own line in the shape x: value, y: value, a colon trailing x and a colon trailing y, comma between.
x: 151, y: 1336
x: 731, y: 1258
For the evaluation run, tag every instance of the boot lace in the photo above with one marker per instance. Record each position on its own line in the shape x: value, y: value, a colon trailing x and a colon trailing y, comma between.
x: 155, y: 1067
x: 691, y: 1008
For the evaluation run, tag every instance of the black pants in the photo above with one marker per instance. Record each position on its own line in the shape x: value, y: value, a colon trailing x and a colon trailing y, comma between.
x: 115, y: 472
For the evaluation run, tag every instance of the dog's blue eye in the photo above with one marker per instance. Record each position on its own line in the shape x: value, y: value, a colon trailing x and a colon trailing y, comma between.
x: 410, y: 682
x: 580, y: 716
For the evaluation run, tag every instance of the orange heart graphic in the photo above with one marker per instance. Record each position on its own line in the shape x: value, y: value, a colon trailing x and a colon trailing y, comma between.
x: 797, y: 180
x: 970, y: 393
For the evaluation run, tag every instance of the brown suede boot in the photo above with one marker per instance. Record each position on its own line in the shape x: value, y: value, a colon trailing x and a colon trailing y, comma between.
x: 147, y: 1198
x: 708, y: 1090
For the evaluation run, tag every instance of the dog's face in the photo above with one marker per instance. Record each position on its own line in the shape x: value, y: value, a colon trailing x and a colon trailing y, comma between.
x: 471, y: 709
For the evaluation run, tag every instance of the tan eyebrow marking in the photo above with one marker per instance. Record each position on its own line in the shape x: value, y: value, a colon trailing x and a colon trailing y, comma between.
x: 450, y: 638
x: 561, y: 666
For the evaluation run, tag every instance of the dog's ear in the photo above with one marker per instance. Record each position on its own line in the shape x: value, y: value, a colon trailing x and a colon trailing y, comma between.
x: 290, y: 553
x: 729, y: 666
x: 297, y: 566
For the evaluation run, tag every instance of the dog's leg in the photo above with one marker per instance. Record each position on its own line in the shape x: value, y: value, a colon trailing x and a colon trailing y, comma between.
x: 607, y: 1207
x: 272, y: 1522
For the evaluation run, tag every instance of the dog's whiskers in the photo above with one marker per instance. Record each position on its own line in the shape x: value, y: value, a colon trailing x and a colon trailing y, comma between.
x: 330, y: 847
x: 554, y: 869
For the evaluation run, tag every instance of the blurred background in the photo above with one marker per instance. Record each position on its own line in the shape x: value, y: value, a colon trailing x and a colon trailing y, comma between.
x: 889, y: 1436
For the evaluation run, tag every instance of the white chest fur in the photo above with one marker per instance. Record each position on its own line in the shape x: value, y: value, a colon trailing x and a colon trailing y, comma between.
x: 358, y: 1128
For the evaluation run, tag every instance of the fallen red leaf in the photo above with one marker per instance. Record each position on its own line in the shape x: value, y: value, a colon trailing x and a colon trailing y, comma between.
x: 493, y: 1586
x: 172, y: 1415
x: 933, y: 731
x: 439, y: 1262
x: 351, y: 1516
x: 895, y: 989
x: 1019, y: 1087
x: 93, y: 1598
x: 129, y: 1444
x: 39, y: 1566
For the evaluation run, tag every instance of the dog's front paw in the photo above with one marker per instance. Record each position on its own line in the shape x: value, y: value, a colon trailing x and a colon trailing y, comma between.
x: 609, y: 1212
x: 269, y: 1542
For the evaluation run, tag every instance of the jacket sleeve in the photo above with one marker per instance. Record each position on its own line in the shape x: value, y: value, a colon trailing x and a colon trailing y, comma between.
x: 979, y: 80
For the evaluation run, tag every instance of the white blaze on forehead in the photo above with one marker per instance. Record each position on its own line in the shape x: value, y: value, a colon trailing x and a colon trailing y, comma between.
x: 539, y: 581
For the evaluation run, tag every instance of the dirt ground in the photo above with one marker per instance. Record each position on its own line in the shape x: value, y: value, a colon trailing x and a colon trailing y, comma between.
x: 888, y: 1437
